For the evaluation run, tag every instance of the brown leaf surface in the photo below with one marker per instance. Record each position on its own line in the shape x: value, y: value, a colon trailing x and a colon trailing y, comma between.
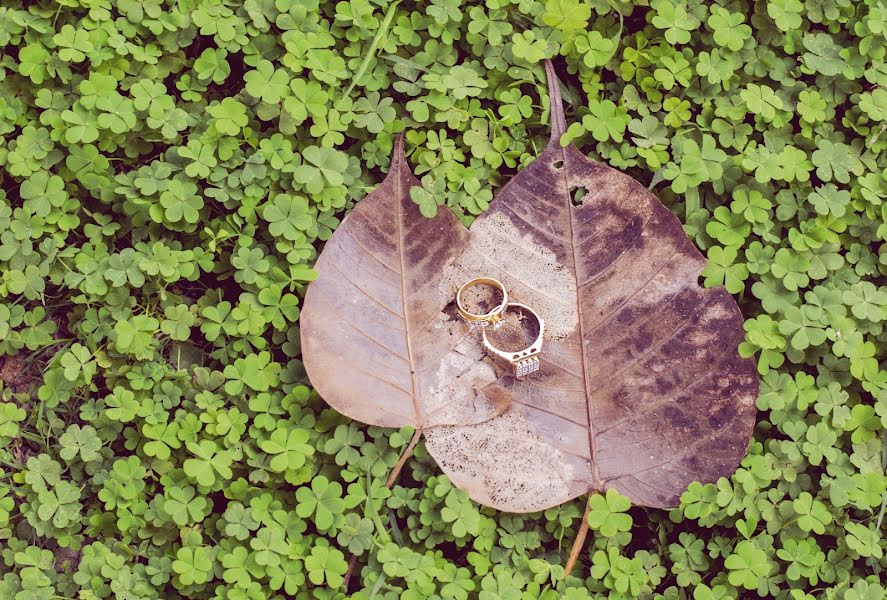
x: 376, y: 341
x: 641, y: 387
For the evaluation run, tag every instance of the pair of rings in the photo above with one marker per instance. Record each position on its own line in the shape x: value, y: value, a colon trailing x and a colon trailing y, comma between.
x: 525, y: 361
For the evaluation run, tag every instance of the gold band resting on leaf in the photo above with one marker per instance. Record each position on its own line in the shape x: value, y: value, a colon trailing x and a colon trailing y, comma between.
x: 489, y: 317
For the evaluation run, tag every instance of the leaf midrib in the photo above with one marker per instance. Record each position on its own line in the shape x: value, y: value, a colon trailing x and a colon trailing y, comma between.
x: 592, y: 443
x: 398, y: 199
x: 558, y: 127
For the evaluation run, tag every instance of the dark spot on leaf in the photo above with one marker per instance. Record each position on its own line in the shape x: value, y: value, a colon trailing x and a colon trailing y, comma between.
x: 677, y: 417
x: 720, y: 417
x: 643, y: 339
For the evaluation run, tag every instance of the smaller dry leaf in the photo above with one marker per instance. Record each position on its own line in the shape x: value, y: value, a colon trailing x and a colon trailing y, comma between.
x: 376, y: 341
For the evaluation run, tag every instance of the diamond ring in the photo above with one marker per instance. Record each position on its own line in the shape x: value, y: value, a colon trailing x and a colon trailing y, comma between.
x: 524, y: 362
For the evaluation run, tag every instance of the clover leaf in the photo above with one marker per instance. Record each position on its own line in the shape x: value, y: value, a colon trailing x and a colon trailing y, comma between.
x: 322, y: 502
x: 812, y: 514
x: 566, y: 15
x: 74, y: 44
x: 730, y: 30
x: 267, y: 83
x: 326, y: 564
x: 80, y: 441
x: 761, y: 100
x: 746, y: 565
x: 255, y: 371
x: 209, y: 465
x: 697, y: 164
x: 229, y: 117
x: 527, y: 47
x: 785, y: 13
x: 606, y: 121
x: 162, y: 436
x: 135, y: 336
x: 721, y: 269
x: 289, y: 448
x: 59, y: 504
x: 823, y: 54
x: 288, y: 216
x: 193, y: 565
x: 181, y: 202
x: 321, y: 167
x: 607, y: 513
x: 177, y: 322
x: 184, y: 506
x: 674, y: 18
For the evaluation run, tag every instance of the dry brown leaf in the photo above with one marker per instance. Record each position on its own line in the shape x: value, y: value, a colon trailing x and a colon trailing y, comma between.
x: 641, y: 388
x: 376, y: 341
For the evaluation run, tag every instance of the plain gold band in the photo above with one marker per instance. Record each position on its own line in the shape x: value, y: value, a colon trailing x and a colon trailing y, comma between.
x: 487, y: 318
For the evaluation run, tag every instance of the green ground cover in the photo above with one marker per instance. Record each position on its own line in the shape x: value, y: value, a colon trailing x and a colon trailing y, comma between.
x: 169, y: 170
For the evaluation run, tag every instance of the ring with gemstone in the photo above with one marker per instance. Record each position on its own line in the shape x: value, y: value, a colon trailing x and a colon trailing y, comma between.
x: 526, y: 361
x: 490, y: 317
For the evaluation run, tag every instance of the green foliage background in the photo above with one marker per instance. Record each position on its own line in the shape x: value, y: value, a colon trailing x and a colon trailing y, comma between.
x: 170, y: 168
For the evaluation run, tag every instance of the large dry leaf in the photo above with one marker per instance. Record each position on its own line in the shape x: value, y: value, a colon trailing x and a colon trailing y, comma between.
x: 641, y: 387
x: 376, y: 341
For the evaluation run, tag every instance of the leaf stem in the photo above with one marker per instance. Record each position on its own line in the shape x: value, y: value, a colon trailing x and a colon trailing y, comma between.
x: 392, y: 478
x: 558, y: 122
x: 417, y: 435
x: 580, y: 540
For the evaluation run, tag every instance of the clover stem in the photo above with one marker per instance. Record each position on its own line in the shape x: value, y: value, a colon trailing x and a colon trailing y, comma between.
x: 392, y: 478
x: 580, y: 540
x: 371, y: 53
x: 884, y: 495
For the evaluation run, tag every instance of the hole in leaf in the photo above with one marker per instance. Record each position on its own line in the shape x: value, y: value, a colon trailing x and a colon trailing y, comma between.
x: 558, y: 164
x: 577, y: 193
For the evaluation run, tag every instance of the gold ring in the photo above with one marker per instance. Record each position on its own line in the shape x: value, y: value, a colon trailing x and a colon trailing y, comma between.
x: 487, y: 318
x: 525, y: 362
